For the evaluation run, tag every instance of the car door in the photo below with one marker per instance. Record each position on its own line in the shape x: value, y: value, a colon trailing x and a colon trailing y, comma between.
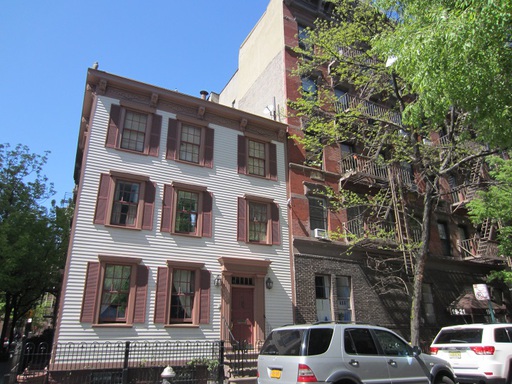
x: 362, y: 358
x: 403, y: 366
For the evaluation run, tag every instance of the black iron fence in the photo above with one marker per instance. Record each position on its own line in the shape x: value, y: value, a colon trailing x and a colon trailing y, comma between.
x: 131, y: 362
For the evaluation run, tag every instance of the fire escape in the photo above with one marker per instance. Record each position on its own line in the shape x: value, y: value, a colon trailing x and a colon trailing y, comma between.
x: 481, y: 247
x: 390, y: 214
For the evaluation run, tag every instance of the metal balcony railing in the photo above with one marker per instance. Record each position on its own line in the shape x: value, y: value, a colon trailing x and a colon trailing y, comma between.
x: 368, y: 108
x: 360, y: 165
x: 360, y: 227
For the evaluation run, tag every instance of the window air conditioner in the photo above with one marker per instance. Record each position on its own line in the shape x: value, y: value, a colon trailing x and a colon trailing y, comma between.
x: 320, y: 234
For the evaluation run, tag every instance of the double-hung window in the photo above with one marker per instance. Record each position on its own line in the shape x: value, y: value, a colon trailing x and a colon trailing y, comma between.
x: 115, y: 291
x: 257, y: 158
x: 258, y: 220
x: 317, y: 212
x: 182, y: 294
x: 444, y: 237
x: 134, y: 128
x: 190, y: 141
x: 125, y: 200
x: 187, y: 210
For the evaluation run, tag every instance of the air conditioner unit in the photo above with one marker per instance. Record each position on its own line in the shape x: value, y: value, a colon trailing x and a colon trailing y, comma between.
x: 320, y: 234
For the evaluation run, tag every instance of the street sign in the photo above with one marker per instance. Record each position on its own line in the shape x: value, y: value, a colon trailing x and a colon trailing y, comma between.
x: 481, y: 292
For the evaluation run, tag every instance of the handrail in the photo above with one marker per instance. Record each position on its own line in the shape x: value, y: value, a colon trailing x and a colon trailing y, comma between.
x: 368, y: 108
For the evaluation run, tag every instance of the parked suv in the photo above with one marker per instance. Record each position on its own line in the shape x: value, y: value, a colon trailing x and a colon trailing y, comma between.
x: 345, y: 354
x: 479, y: 353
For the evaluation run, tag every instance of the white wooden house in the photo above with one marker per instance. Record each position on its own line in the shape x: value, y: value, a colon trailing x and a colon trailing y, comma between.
x: 181, y: 226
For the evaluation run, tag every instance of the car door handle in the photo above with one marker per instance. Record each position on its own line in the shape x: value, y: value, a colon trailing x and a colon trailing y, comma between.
x: 392, y: 363
x: 354, y: 363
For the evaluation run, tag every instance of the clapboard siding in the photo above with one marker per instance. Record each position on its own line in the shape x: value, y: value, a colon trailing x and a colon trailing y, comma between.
x: 155, y: 247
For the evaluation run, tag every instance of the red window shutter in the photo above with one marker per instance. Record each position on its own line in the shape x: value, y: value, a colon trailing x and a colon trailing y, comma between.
x: 276, y: 228
x: 204, y: 295
x: 167, y: 209
x: 100, y: 216
x: 242, y: 155
x: 113, y: 126
x: 272, y: 154
x: 90, y: 292
x: 172, y: 139
x: 242, y: 221
x: 161, y: 295
x: 208, y: 149
x: 207, y: 214
x: 141, y: 289
x: 149, y: 205
x: 154, y: 138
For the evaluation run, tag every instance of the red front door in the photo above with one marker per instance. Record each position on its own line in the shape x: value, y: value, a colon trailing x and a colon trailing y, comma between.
x: 242, y: 313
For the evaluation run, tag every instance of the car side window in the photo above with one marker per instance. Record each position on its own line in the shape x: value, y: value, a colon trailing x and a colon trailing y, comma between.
x: 503, y: 335
x: 392, y: 345
x: 359, y: 341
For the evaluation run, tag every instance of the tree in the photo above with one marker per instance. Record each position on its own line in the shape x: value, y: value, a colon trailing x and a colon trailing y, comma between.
x: 495, y: 203
x: 33, y: 239
x: 455, y: 53
x: 339, y: 54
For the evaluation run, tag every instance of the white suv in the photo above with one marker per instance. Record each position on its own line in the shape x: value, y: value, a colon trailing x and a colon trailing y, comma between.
x: 331, y: 353
x: 478, y: 353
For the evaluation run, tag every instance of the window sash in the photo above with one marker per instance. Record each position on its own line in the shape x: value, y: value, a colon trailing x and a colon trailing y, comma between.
x: 125, y: 203
x: 258, y: 222
x: 256, y: 164
x: 187, y: 212
x: 317, y: 213
x: 182, y: 296
x: 115, y: 293
x: 190, y: 144
x: 134, y: 131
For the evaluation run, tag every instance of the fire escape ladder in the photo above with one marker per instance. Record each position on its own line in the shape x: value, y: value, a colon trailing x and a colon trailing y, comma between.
x: 486, y: 233
x: 474, y: 178
x: 402, y: 229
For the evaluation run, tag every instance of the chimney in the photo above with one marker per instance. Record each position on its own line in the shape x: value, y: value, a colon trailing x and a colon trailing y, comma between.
x: 203, y: 94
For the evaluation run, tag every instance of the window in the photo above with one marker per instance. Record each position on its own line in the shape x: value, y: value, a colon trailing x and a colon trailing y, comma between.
x: 258, y: 220
x: 317, y: 212
x: 190, y: 142
x: 343, y: 295
x: 392, y: 345
x: 323, y: 298
x: 182, y: 294
x: 309, y: 88
x: 355, y: 225
x: 187, y: 210
x: 444, y: 237
x: 428, y: 304
x: 120, y: 296
x: 342, y: 100
x: 359, y: 341
x: 125, y: 200
x: 135, y: 129
x: 257, y: 158
x: 303, y: 35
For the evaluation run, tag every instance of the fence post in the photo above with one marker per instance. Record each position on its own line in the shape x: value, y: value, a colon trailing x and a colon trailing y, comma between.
x: 220, y: 373
x: 125, y: 362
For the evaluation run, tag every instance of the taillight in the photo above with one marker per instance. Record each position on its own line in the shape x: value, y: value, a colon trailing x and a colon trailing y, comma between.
x: 434, y: 350
x: 485, y: 350
x: 305, y: 374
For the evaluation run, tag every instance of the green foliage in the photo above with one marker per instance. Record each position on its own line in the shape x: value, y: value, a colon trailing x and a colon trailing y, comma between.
x: 210, y: 364
x: 454, y: 54
x: 496, y: 202
x: 33, y: 238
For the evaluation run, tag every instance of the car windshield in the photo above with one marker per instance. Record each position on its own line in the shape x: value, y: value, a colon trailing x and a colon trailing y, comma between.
x: 454, y: 336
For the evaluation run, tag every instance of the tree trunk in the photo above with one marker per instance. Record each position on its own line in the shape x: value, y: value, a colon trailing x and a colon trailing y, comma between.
x: 419, y: 269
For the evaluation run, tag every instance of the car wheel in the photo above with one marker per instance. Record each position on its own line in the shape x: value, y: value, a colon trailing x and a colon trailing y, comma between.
x: 443, y: 380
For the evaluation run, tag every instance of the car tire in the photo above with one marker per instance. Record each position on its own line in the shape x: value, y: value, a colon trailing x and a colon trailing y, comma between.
x: 443, y: 380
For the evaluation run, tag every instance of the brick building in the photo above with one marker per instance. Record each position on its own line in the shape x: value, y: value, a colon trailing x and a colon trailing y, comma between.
x: 329, y: 282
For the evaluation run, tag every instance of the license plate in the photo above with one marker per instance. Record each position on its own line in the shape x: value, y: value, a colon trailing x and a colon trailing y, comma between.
x: 275, y: 374
x: 454, y: 354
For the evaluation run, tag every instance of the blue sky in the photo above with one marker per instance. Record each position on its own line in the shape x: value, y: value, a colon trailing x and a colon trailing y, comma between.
x: 47, y: 46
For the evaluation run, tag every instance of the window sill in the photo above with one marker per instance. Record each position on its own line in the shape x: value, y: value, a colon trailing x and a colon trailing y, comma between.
x: 181, y: 326
x: 112, y: 325
x: 122, y: 227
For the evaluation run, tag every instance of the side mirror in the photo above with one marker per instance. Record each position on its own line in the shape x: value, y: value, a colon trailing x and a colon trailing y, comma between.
x: 416, y: 350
